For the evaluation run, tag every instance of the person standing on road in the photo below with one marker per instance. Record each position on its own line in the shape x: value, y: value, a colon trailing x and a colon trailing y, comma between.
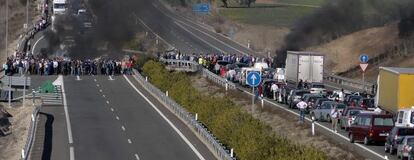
x: 274, y: 89
x: 334, y: 119
x: 300, y: 84
x: 302, y: 107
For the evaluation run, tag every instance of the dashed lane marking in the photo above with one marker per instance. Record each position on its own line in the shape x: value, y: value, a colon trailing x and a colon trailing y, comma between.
x: 123, y: 128
x: 136, y: 156
x: 129, y: 141
x: 117, y: 118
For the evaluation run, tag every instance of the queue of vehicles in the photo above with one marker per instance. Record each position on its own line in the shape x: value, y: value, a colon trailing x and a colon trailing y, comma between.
x: 388, y: 118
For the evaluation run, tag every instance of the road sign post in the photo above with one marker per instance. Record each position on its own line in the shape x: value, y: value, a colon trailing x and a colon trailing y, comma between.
x: 253, y: 79
x: 364, y: 64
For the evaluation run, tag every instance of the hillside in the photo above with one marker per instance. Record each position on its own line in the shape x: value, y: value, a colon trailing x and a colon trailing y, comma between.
x: 342, y: 54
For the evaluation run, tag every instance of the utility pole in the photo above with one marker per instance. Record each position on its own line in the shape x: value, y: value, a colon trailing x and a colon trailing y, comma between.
x: 7, y: 27
x: 27, y: 15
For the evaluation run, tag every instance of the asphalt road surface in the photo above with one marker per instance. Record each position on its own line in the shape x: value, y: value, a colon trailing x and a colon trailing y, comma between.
x: 114, y: 118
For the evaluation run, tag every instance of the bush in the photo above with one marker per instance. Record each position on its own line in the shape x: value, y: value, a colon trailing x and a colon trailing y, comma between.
x: 250, y: 138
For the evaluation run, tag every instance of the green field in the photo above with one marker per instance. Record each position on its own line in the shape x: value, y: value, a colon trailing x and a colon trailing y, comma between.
x: 302, y: 2
x: 266, y: 14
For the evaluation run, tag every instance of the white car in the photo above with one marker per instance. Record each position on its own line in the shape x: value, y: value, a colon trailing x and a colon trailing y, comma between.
x: 403, y: 148
x: 317, y: 88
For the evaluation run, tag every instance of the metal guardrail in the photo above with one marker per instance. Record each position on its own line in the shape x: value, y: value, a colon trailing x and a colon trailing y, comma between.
x: 31, y: 134
x: 194, y: 67
x: 184, y: 65
x: 342, y: 81
x: 217, y: 79
x: 188, y: 118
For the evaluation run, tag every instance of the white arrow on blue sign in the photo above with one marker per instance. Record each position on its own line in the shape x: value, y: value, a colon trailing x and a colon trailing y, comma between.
x: 363, y: 58
x: 253, y: 79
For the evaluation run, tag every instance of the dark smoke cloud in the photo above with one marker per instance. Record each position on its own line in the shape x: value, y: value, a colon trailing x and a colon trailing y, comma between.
x: 112, y: 22
x: 337, y: 18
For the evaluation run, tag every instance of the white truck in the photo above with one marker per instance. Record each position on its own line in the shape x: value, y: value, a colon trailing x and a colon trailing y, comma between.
x: 59, y: 8
x: 305, y: 66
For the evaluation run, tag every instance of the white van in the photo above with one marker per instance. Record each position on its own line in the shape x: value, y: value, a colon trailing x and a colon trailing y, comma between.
x: 261, y: 65
x: 59, y: 6
x: 405, y: 117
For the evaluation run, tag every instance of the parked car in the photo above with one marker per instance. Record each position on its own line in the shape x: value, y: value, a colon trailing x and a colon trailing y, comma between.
x: 295, y: 96
x: 317, y: 88
x: 404, y: 148
x: 348, y: 116
x: 319, y: 101
x: 367, y: 103
x: 323, y: 113
x: 396, y: 136
x: 370, y: 127
x: 352, y: 100
x: 310, y: 99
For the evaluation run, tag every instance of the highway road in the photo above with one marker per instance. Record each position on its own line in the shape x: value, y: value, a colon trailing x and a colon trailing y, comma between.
x: 188, y: 35
x: 114, y: 118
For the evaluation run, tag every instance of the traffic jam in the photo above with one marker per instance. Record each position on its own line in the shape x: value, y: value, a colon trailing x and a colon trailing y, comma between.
x: 382, y: 117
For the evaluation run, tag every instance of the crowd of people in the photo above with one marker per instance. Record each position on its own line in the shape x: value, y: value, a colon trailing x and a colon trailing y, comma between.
x: 209, y: 61
x: 53, y: 66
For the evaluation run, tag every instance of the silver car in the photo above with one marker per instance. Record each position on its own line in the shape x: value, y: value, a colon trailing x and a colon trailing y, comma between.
x: 323, y: 112
x: 403, y: 148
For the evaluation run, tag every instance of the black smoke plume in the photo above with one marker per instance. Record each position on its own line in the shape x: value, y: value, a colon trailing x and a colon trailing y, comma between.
x: 340, y: 17
x: 112, y: 26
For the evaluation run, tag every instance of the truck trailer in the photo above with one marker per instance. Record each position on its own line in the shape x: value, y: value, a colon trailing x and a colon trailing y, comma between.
x: 305, y: 66
x: 395, y: 89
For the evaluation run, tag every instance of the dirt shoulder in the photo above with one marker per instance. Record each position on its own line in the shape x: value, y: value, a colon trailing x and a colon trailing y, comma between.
x: 282, y: 123
x: 11, y: 145
x: 17, y: 17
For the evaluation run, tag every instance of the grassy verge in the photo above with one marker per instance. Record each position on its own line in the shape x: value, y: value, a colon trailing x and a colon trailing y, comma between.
x: 250, y: 138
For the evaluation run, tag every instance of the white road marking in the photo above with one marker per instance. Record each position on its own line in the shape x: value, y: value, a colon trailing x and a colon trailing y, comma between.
x: 213, y: 46
x: 146, y: 26
x: 320, y: 125
x: 167, y: 120
x: 38, y: 40
x: 71, y: 153
x: 117, y: 118
x: 129, y: 141
x: 112, y: 109
x: 68, y: 125
x: 103, y: 96
x: 123, y: 128
x: 107, y: 102
x: 136, y: 156
x: 97, y: 85
x: 94, y: 80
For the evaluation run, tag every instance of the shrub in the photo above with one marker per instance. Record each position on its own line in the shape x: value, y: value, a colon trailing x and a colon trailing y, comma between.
x: 250, y: 138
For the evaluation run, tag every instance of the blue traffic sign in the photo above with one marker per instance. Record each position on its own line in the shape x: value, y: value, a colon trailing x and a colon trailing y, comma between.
x: 201, y: 8
x: 363, y: 58
x: 253, y: 79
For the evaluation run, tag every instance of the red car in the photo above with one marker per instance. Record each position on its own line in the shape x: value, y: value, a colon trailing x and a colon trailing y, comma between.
x: 370, y: 127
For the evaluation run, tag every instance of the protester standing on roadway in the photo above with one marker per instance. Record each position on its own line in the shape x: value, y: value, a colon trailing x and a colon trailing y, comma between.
x: 334, y: 119
x: 300, y: 84
x: 302, y: 107
x: 275, y: 90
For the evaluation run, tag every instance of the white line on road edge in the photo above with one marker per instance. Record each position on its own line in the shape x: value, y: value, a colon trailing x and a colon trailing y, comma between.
x: 167, y: 120
x: 129, y: 141
x: 123, y: 128
x: 68, y: 125
x: 72, y: 153
x: 179, y: 25
x: 146, y: 26
x: 38, y: 40
x: 137, y: 157
x: 326, y: 128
